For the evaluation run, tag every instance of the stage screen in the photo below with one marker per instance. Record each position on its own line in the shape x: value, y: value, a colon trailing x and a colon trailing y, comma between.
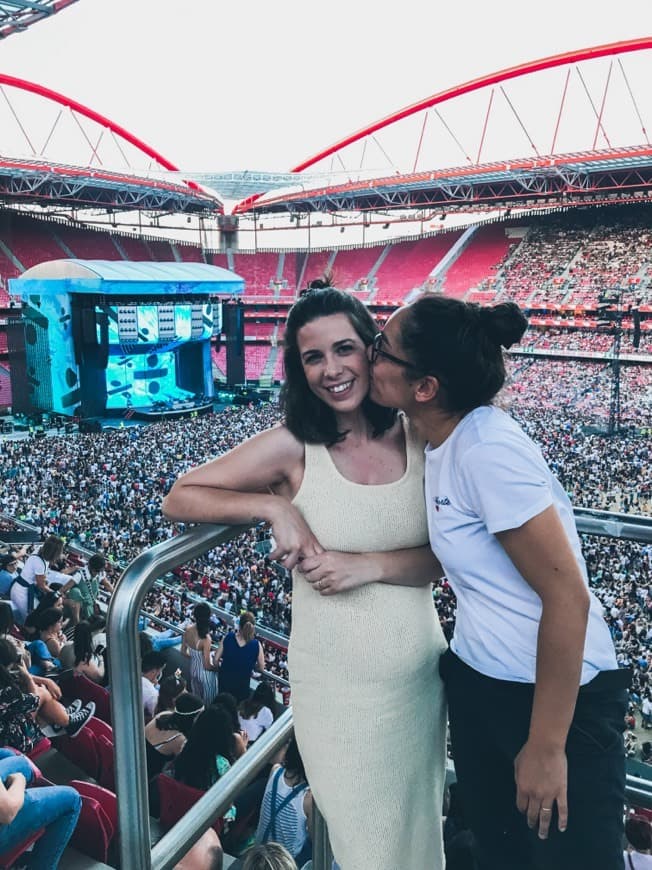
x: 139, y: 324
x: 137, y: 381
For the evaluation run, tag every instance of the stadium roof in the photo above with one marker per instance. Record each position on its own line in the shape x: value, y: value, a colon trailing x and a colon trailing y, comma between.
x: 47, y: 183
x: 556, y: 179
x: 18, y: 15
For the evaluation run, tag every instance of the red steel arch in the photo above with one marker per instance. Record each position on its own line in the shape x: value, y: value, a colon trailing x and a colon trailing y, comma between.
x: 54, y: 96
x: 503, y: 75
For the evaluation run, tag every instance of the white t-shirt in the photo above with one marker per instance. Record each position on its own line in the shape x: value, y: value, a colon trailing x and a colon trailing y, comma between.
x: 257, y: 724
x: 150, y: 696
x: 487, y: 477
x: 20, y: 594
x: 639, y: 861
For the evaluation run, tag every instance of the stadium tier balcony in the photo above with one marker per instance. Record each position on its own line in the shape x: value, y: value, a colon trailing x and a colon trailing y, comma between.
x: 478, y: 264
x: 160, y: 251
x: 539, y: 264
x: 219, y: 360
x: 135, y: 249
x: 351, y: 268
x: 191, y: 254
x: 260, y: 331
x: 88, y: 245
x: 33, y: 242
x: 258, y: 270
x: 555, y: 339
x: 408, y: 265
x: 315, y: 266
x: 256, y: 357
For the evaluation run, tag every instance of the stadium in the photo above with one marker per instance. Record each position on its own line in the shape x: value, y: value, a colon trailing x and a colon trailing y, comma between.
x: 143, y: 313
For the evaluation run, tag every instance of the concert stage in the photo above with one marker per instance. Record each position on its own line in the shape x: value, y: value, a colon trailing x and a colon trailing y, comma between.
x: 104, y: 338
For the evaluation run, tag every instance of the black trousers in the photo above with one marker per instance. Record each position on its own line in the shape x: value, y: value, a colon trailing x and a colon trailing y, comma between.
x: 489, y: 724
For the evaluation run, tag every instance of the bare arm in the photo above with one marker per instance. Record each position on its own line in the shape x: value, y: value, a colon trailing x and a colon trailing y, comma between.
x: 240, y: 487
x: 542, y: 554
x: 206, y: 652
x: 41, y: 582
x: 260, y: 661
x: 12, y: 797
x: 333, y: 572
x: 217, y: 655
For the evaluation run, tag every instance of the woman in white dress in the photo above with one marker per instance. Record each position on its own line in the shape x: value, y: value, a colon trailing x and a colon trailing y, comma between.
x: 341, y: 484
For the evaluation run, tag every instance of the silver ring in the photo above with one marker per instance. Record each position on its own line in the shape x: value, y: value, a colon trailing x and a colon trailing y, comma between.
x: 546, y: 810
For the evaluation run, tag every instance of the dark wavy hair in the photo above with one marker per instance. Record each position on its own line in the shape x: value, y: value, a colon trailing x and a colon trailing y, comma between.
x: 306, y: 416
x: 460, y: 343
x: 83, y: 645
x: 211, y: 735
x: 202, y: 616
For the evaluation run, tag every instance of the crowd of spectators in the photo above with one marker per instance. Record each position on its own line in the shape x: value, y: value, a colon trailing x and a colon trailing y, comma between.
x: 565, y: 261
x: 103, y: 492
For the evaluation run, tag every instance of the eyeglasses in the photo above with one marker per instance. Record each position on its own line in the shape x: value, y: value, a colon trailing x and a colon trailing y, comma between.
x: 377, y: 350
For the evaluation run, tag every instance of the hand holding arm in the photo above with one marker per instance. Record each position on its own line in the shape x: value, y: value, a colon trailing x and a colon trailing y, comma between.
x: 332, y: 572
x: 237, y: 488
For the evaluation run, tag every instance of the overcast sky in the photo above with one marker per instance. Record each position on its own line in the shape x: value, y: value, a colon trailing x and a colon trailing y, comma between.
x: 262, y: 85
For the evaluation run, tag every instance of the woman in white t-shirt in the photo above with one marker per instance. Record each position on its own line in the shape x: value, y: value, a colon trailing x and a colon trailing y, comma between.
x: 531, y: 649
x: 32, y: 581
x: 256, y: 714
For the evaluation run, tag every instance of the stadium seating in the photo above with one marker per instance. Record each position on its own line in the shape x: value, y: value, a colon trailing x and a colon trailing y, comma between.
x: 256, y: 357
x: 258, y: 270
x: 75, y: 685
x: 408, y: 265
x: 82, y: 750
x: 316, y: 264
x: 88, y: 245
x: 135, y: 249
x: 472, y: 274
x: 33, y: 242
x: 353, y: 266
x: 176, y: 799
x: 98, y: 821
x: 188, y: 253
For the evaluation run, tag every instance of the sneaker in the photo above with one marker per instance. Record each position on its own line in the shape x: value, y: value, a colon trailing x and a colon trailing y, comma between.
x: 79, y: 719
x: 76, y: 705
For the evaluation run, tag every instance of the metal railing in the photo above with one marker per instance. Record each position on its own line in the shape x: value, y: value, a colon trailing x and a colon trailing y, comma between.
x: 127, y: 715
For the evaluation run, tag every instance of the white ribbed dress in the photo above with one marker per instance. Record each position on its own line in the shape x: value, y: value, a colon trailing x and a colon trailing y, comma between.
x: 368, y: 703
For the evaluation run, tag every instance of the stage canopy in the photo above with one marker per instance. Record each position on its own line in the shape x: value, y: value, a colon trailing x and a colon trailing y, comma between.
x: 121, y: 277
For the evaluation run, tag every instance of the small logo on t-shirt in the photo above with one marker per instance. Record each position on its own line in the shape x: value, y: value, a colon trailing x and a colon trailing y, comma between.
x: 441, y: 501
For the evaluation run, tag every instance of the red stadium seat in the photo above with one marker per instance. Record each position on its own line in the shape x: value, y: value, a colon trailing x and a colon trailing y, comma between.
x: 97, y: 823
x: 82, y: 750
x: 176, y: 799
x: 107, y: 762
x: 78, y: 686
x: 40, y: 748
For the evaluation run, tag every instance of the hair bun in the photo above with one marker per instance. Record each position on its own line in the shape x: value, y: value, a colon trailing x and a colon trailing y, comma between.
x: 505, y: 323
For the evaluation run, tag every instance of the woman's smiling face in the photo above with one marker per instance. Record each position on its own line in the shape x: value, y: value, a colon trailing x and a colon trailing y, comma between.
x: 335, y: 363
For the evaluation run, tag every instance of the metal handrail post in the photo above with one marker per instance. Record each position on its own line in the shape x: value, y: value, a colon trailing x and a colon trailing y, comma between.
x: 125, y: 677
x: 322, y: 854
